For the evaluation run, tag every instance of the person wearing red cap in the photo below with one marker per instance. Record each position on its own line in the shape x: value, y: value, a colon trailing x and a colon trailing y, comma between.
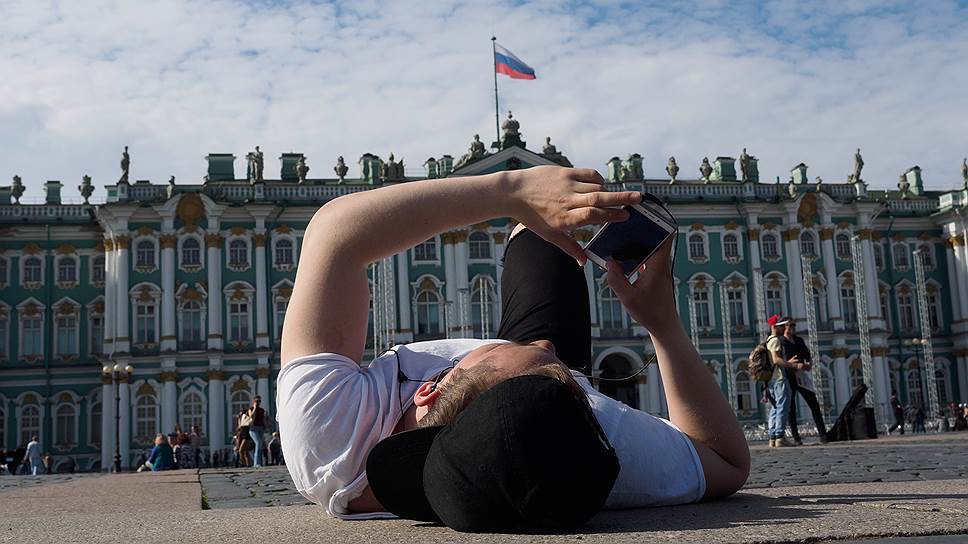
x: 779, y: 387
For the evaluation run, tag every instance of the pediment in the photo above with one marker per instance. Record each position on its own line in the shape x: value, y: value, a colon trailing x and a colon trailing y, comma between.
x: 499, y: 162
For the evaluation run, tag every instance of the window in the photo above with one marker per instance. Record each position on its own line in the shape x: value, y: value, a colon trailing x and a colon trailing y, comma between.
x: 66, y: 335
x: 886, y: 309
x: 145, y: 321
x: 482, y: 311
x: 191, y: 326
x: 95, y: 424
x: 97, y: 270
x: 915, y: 394
x: 808, y: 244
x: 146, y: 418
x: 774, y: 300
x: 29, y: 422
x: 283, y: 252
x: 239, y: 320
x: 611, y: 312
x: 737, y: 310
x: 191, y: 253
x: 697, y: 247
x: 4, y: 338
x: 941, y: 382
x: 900, y: 252
x: 66, y: 419
x: 905, y: 310
x: 745, y: 401
x: 96, y: 323
x: 427, y: 306
x: 67, y: 270
x: 479, y: 245
x: 426, y: 251
x: 32, y: 270
x: 934, y: 308
x: 842, y: 246
x: 4, y: 271
x: 700, y: 302
x: 282, y: 304
x: 856, y: 376
x: 144, y: 256
x: 730, y: 247
x: 238, y: 254
x: 31, y: 336
x: 848, y: 303
x: 771, y: 246
x: 192, y: 411
x: 927, y: 256
x: 879, y: 256
x: 820, y: 307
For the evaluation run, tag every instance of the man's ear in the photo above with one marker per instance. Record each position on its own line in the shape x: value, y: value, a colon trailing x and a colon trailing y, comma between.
x: 426, y: 394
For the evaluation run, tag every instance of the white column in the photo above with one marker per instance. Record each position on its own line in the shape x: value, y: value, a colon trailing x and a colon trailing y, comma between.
x: 214, y: 265
x: 795, y: 273
x: 262, y: 384
x: 110, y: 306
x: 461, y: 257
x: 841, y: 377
x: 592, y: 298
x: 123, y: 264
x: 963, y: 378
x: 830, y: 274
x: 643, y: 389
x: 655, y: 386
x: 169, y: 340
x: 961, y: 271
x: 169, y: 405
x: 216, y: 411
x: 261, y: 292
x: 870, y: 281
x: 499, y: 247
x: 450, y: 283
x: 882, y: 387
x: 403, y: 296
x: 107, y: 422
x: 759, y: 313
x: 124, y: 393
x: 957, y: 311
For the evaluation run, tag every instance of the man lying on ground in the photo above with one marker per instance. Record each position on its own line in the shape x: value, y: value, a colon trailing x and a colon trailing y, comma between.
x: 491, y: 435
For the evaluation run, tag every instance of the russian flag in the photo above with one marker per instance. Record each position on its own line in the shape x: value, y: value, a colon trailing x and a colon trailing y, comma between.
x: 506, y: 63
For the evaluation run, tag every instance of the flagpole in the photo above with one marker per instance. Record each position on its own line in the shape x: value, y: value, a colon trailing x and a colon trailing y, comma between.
x: 497, y: 115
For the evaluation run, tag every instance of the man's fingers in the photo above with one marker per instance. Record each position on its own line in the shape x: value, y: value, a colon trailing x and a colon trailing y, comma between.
x: 595, y: 216
x: 605, y: 199
x: 587, y: 175
x: 617, y: 281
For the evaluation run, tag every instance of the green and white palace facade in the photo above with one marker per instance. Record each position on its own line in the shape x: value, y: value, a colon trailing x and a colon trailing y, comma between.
x: 189, y: 282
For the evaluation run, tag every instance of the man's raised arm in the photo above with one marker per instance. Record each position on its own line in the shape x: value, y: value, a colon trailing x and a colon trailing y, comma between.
x: 328, y: 308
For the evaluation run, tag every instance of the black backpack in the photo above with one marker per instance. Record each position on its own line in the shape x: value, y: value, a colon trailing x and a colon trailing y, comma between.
x: 761, y: 363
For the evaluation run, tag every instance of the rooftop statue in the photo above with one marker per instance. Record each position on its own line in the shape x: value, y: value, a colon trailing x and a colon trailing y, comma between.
x: 170, y: 190
x: 17, y: 189
x: 512, y: 137
x: 964, y: 173
x: 476, y: 151
x: 341, y: 169
x: 302, y: 169
x: 256, y: 164
x: 550, y: 152
x: 705, y: 169
x: 792, y: 188
x: 672, y: 169
x: 86, y: 188
x: 903, y: 185
x: 549, y: 148
x: 744, y: 165
x: 392, y: 170
x: 125, y: 165
x: 819, y: 180
x: 858, y: 165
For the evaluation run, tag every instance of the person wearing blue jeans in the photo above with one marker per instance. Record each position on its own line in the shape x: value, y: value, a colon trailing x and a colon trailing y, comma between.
x: 32, y: 457
x: 779, y: 386
x: 259, y: 416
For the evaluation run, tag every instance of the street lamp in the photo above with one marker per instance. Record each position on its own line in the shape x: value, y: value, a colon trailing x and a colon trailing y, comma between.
x: 117, y: 373
x: 916, y: 344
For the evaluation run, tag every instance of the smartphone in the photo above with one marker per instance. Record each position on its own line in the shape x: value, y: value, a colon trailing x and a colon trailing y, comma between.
x: 630, y: 242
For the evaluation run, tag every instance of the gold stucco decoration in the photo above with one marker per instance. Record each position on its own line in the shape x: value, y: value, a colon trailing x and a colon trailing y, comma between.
x: 145, y: 230
x: 807, y: 212
x: 31, y: 249
x: 240, y: 385
x: 237, y: 231
x: 190, y: 209
x: 283, y: 229
x: 66, y: 249
x: 428, y: 283
x: 145, y: 389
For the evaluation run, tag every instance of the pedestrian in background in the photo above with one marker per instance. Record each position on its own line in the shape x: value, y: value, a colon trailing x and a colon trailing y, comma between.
x: 275, y: 450
x: 259, y: 419
x: 185, y: 453
x: 919, y: 418
x: 802, y: 382
x: 161, y: 457
x: 32, y: 458
x: 898, y: 410
x: 779, y: 387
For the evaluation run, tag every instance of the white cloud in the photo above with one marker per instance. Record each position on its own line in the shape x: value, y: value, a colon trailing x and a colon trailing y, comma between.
x: 178, y: 79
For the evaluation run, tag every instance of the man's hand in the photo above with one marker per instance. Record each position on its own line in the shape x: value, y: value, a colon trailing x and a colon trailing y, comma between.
x: 651, y: 300
x: 550, y: 201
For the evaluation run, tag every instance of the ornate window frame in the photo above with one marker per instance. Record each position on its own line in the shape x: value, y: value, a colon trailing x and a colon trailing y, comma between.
x: 144, y: 293
x: 776, y: 280
x: 490, y: 247
x: 183, y: 295
x: 845, y: 280
x: 140, y: 389
x: 884, y: 291
x: 239, y: 291
x: 6, y: 318
x: 737, y: 235
x: 737, y: 283
x: 429, y: 282
x: 932, y: 287
x: 905, y: 288
x: 908, y: 257
x: 156, y: 255
x: 31, y: 398
x: 702, y: 281
x: 63, y: 254
x: 71, y: 400
x: 276, y: 263
x: 32, y: 251
x: 92, y: 267
x: 815, y: 242
x: 774, y: 234
x: 95, y: 310
x: 67, y: 308
x: 202, y: 253
x: 437, y: 252
x: 31, y: 308
x: 187, y: 387
x: 928, y: 248
x: 233, y: 237
x: 626, y: 319
x: 93, y: 399
x: 699, y: 231
x: 840, y: 256
x: 282, y: 292
x: 878, y: 247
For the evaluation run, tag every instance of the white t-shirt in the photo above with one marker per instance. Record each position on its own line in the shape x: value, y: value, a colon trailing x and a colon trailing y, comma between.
x: 332, y: 412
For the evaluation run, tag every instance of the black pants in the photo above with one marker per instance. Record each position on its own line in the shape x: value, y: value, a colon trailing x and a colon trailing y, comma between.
x: 811, y: 399
x: 544, y: 297
x: 898, y: 421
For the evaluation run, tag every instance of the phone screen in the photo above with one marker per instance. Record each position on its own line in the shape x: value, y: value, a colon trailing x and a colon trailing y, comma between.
x: 629, y: 242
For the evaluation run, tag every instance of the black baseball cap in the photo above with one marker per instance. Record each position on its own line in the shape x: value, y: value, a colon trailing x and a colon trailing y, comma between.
x: 526, y: 455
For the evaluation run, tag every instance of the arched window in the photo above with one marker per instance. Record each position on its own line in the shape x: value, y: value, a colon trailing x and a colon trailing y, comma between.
x: 842, y: 245
x: 905, y: 309
x: 482, y: 302
x: 879, y: 255
x: 29, y: 423
x: 697, y: 247
x: 900, y: 252
x: 775, y: 301
x: 145, y: 254
x: 745, y: 400
x: 146, y: 318
x: 191, y: 252
x: 612, y: 316
x: 770, y: 245
x: 191, y: 326
x: 886, y: 309
x: 934, y: 307
x: 145, y: 418
x: 427, y: 305
x: 97, y: 270
x: 479, y: 245
x: 808, y: 244
x: 283, y: 252
x: 281, y: 304
x: 66, y: 333
x: 927, y: 256
x: 94, y: 427
x: 67, y: 270
x: 735, y: 298
x: 616, y: 366
x: 426, y: 251
x: 239, y: 320
x: 702, y: 305
x: 238, y: 253
x: 32, y: 270
x: 192, y: 411
x: 915, y: 394
x: 848, y: 302
x: 856, y: 377
x: 240, y: 401
x: 31, y: 335
x: 730, y: 246
x: 65, y: 422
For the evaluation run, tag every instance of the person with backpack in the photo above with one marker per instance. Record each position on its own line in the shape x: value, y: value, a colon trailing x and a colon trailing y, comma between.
x: 779, y: 386
x: 802, y: 382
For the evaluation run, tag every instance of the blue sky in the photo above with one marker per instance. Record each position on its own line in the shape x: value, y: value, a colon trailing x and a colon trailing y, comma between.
x: 791, y: 81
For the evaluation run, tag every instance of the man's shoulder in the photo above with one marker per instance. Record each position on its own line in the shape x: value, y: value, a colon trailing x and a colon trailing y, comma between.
x: 773, y: 343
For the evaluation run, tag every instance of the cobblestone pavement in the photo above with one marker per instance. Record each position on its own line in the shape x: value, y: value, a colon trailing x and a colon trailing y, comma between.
x: 8, y: 482
x: 889, y: 459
